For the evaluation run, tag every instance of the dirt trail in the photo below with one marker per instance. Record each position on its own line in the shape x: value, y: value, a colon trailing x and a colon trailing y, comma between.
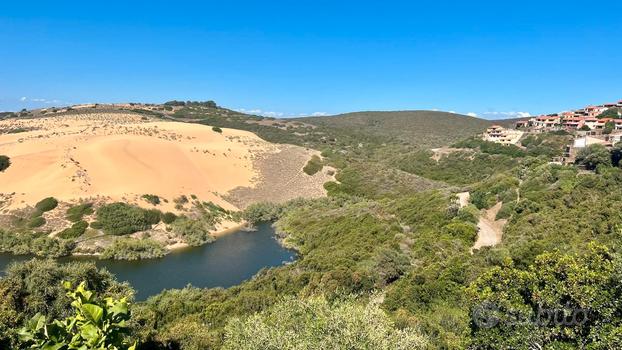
x: 489, y: 230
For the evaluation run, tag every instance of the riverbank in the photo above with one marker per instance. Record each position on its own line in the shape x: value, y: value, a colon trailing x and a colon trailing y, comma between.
x: 205, y: 267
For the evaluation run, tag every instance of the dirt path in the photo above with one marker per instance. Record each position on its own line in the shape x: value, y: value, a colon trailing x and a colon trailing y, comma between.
x: 489, y: 230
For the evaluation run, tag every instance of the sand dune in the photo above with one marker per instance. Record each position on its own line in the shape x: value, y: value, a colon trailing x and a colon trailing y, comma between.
x: 123, y: 156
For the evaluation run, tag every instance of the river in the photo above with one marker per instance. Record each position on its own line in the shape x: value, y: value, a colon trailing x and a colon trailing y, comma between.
x: 228, y: 261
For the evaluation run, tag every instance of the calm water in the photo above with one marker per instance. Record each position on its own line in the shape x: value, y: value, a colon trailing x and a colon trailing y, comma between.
x: 228, y: 261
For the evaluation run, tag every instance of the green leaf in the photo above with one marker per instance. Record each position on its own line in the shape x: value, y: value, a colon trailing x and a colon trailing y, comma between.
x: 93, y: 313
x: 90, y: 333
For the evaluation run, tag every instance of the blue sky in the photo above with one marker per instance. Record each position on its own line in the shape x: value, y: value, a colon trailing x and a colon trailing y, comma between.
x: 491, y: 58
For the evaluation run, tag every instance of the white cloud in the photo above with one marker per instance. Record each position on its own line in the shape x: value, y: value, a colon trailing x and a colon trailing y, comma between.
x: 318, y: 114
x: 472, y: 114
x: 507, y: 115
x: 261, y: 112
x: 454, y: 112
x: 40, y: 100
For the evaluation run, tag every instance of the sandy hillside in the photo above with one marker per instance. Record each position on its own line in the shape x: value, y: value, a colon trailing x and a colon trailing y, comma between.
x: 121, y: 156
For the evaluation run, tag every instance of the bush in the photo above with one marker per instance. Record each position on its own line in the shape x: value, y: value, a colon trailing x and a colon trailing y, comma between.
x: 96, y: 225
x: 217, y: 129
x: 151, y: 198
x: 168, y: 217
x: 319, y: 324
x: 313, y: 165
x: 47, y: 204
x: 134, y: 249
x: 592, y: 156
x: 36, y: 221
x: 123, y: 219
x: 193, y: 232
x: 263, y: 211
x: 461, y: 230
x: 34, y: 243
x: 5, y: 162
x: 77, y: 212
x: 76, y: 230
x: 153, y: 216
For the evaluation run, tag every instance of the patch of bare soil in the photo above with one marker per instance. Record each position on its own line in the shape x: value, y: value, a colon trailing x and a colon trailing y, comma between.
x: 463, y: 199
x: 490, y: 230
x: 280, y: 178
x: 438, y: 153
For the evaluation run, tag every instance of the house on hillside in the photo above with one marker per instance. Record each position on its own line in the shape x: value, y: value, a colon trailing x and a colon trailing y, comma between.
x: 499, y: 134
x: 547, y: 121
x: 590, y: 122
x: 614, y: 137
x: 594, y: 111
x: 573, y: 122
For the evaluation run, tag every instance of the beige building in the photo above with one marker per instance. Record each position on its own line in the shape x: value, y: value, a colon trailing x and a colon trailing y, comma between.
x: 499, y: 134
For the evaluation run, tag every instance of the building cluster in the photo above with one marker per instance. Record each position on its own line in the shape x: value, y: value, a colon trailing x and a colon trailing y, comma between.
x: 582, y: 119
x: 587, y: 125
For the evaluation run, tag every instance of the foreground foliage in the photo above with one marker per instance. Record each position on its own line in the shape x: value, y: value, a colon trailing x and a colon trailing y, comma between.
x: 560, y: 302
x: 96, y: 324
x: 315, y: 323
x: 35, y: 287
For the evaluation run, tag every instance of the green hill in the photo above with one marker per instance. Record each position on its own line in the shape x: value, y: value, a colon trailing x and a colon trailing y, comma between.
x: 418, y: 128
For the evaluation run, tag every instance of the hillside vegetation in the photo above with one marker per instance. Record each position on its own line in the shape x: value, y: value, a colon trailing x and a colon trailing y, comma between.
x: 424, y: 129
x: 386, y: 260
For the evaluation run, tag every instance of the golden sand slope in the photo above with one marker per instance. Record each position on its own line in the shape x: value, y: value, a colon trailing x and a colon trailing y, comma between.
x: 121, y: 157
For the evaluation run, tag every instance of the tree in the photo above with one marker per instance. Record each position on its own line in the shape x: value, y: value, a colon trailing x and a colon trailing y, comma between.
x: 611, y: 113
x: 593, y: 156
x: 5, y: 162
x: 616, y: 154
x: 609, y: 127
x: 559, y: 302
x: 96, y: 324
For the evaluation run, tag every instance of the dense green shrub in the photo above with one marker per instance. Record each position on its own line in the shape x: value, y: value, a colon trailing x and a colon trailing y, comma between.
x: 490, y: 147
x: 122, y: 219
x: 96, y: 225
x: 168, y: 217
x: 33, y: 243
x: 217, y: 129
x: 320, y: 324
x: 77, y: 212
x: 5, y: 162
x: 193, y: 232
x: 465, y: 231
x: 46, y: 204
x: 36, y: 221
x: 539, y: 304
x: 134, y: 249
x: 594, y: 155
x: 76, y: 230
x: 151, y: 198
x: 262, y: 211
x: 35, y: 286
x: 313, y: 166
x: 153, y: 216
